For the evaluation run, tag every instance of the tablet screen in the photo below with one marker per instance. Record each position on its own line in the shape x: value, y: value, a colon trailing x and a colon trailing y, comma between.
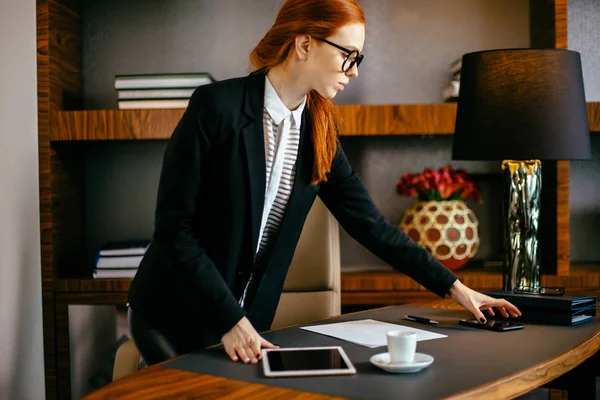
x: 304, y: 360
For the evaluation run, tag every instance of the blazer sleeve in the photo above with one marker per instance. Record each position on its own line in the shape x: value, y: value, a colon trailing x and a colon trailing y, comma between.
x: 182, y: 177
x: 350, y: 203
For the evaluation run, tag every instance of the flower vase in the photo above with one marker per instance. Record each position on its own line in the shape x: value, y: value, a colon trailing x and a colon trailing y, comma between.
x: 447, y: 229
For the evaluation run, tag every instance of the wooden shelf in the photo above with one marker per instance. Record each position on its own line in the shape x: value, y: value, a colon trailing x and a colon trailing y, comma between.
x: 582, y: 276
x: 359, y: 120
x: 389, y: 287
x: 93, y: 285
x: 158, y: 124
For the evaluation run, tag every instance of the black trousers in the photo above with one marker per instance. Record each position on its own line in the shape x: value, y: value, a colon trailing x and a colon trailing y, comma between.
x: 160, y: 342
x: 153, y: 346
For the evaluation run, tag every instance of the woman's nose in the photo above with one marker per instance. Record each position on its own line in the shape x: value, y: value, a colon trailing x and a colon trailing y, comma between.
x: 352, y: 72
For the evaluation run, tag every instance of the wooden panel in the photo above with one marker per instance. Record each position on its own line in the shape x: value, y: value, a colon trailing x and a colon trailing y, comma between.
x: 562, y: 167
x: 115, y: 124
x: 563, y: 241
x: 548, y: 24
x: 153, y: 383
x: 385, y: 298
x: 148, y: 124
x: 374, y: 288
x: 93, y: 285
x: 43, y: 89
x: 59, y: 84
x: 548, y: 29
x: 410, y: 119
x: 430, y: 119
x: 402, y: 119
x: 593, y: 112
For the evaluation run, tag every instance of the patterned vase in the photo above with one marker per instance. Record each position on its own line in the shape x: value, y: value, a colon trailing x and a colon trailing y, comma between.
x: 447, y: 229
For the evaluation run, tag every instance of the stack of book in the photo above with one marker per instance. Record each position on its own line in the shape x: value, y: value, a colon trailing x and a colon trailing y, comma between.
x: 120, y: 259
x: 158, y: 90
x: 450, y: 92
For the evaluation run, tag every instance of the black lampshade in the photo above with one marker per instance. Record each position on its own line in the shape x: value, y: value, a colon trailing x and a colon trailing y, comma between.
x: 521, y: 104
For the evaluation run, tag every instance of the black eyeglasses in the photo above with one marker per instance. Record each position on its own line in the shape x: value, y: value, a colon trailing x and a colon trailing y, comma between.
x: 353, y: 56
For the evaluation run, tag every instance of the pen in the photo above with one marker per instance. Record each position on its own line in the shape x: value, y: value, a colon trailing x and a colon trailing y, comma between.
x: 420, y: 319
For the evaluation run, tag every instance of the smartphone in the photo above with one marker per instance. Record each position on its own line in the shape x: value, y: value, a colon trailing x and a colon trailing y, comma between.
x: 497, y: 326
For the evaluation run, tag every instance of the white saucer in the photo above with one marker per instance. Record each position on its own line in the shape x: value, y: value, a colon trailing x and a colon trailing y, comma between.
x: 421, y: 361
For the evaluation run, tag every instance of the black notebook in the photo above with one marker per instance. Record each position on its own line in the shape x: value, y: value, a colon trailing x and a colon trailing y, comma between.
x: 555, y: 310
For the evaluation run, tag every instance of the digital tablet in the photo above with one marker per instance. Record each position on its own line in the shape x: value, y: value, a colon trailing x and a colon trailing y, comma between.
x: 306, y: 361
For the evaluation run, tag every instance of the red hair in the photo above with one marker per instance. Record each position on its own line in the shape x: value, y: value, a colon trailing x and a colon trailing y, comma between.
x: 318, y: 18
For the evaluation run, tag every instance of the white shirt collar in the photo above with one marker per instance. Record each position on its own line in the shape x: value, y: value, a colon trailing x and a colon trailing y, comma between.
x: 277, y: 110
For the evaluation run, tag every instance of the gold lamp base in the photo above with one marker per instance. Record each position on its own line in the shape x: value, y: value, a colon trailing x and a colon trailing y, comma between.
x: 521, y: 212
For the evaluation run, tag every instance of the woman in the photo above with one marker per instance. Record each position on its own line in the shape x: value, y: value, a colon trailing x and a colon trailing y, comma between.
x: 239, y: 176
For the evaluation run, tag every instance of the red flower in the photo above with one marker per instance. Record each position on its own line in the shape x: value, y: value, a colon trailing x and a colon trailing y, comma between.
x: 445, y: 184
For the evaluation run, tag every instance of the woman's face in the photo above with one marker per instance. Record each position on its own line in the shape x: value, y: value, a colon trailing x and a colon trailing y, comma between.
x: 324, y: 61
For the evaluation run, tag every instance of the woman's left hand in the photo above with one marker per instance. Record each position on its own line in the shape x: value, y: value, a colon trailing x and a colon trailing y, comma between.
x: 477, y: 302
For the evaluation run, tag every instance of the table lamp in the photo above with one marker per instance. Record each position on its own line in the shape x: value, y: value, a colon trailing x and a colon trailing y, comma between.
x: 521, y: 107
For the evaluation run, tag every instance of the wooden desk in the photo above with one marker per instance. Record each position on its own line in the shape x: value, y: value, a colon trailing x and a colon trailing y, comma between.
x: 573, y: 370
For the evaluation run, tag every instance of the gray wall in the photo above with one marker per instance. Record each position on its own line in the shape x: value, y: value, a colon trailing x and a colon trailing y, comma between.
x: 409, y: 46
x: 21, y: 349
x: 584, y: 36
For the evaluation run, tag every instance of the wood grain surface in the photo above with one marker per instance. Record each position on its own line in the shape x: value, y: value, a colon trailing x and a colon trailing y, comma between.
x: 363, y: 288
x: 548, y: 30
x: 365, y: 120
x: 59, y: 86
x: 152, y: 124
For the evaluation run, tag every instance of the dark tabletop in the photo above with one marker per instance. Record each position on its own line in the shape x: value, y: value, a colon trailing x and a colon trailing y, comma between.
x: 464, y: 360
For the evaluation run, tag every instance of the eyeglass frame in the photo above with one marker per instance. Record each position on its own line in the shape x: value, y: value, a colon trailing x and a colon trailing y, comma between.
x: 357, y: 61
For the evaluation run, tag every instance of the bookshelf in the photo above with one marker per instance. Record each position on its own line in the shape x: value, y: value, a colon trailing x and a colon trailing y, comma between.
x: 359, y: 120
x: 64, y: 128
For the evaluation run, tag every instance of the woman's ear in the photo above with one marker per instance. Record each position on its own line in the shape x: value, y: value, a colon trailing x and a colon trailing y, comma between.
x: 302, y: 46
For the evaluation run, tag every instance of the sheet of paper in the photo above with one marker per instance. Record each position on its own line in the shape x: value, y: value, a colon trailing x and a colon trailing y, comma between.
x: 367, y: 332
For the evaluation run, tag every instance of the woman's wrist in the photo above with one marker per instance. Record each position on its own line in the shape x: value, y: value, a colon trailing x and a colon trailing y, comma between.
x: 455, y: 290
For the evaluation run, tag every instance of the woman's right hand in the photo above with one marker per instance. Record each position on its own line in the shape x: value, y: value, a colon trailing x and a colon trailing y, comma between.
x: 244, y: 343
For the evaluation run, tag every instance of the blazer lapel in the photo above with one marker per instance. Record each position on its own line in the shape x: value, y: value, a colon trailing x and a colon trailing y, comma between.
x: 253, y: 133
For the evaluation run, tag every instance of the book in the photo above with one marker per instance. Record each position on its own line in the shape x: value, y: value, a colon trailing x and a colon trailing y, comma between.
x: 166, y: 103
x: 115, y: 273
x: 125, y: 247
x: 456, y: 66
x: 156, y: 81
x: 450, y: 92
x: 152, y: 94
x: 557, y: 310
x: 118, y: 261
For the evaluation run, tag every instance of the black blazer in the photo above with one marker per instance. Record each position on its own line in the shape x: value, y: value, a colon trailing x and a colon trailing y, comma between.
x: 209, y: 207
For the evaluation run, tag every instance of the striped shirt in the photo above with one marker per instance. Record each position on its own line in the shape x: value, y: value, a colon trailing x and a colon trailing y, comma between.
x: 282, y: 137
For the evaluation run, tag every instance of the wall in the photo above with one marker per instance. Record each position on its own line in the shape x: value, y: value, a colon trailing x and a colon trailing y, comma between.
x: 410, y: 45
x: 21, y: 349
x: 584, y: 37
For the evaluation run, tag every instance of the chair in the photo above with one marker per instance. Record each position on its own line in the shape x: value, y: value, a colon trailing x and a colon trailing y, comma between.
x: 126, y: 360
x: 312, y: 288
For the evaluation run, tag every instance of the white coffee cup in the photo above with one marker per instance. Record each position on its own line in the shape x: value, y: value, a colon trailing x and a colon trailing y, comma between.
x: 401, y: 346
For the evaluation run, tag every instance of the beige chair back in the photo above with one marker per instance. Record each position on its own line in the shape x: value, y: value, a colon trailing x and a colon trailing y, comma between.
x: 312, y: 287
